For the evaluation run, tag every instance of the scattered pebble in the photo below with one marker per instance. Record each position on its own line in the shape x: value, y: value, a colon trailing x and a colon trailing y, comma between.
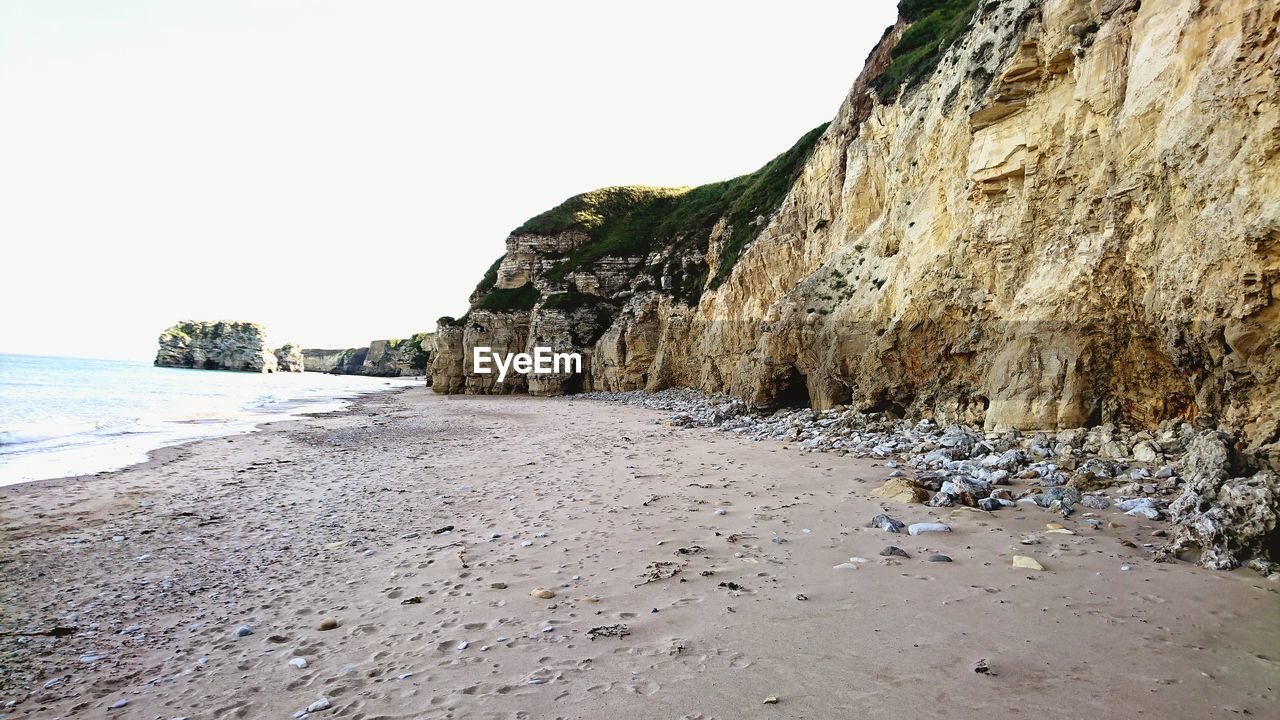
x: 1026, y: 563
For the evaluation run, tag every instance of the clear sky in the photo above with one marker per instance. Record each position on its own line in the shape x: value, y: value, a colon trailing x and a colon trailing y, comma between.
x: 345, y: 171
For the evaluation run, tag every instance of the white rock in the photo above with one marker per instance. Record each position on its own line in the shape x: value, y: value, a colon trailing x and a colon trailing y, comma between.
x: 918, y: 528
x: 321, y: 704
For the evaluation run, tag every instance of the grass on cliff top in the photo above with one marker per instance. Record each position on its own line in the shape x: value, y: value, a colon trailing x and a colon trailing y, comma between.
x: 633, y: 221
x: 935, y: 26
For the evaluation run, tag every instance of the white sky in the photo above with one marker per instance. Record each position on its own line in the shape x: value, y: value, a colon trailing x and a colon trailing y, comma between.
x: 346, y: 171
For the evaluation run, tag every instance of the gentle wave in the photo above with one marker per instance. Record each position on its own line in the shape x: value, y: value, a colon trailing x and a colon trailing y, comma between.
x: 62, y: 416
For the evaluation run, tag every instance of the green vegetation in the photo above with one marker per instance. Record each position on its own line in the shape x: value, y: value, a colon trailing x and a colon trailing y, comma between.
x: 504, y: 300
x: 634, y: 221
x: 935, y: 25
x: 420, y: 357
x: 490, y: 277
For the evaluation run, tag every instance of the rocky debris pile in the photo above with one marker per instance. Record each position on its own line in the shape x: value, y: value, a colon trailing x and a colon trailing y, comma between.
x: 1217, y: 500
x: 690, y: 407
x: 1228, y: 518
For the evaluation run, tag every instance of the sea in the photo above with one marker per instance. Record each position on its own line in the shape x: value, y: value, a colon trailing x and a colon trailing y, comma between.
x: 71, y: 416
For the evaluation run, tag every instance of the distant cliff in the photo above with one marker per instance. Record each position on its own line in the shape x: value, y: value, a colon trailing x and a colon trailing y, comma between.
x: 221, y: 346
x: 383, y: 358
x: 1041, y: 214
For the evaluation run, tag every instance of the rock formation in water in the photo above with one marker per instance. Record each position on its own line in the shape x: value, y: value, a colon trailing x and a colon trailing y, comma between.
x: 1032, y: 214
x: 289, y: 358
x: 216, y: 346
x: 382, y: 358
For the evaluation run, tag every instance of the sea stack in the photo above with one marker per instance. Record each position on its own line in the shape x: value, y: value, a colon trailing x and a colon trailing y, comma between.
x: 289, y: 358
x: 221, y: 345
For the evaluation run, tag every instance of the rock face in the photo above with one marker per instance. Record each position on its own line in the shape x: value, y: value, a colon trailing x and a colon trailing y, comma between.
x: 289, y: 358
x: 383, y: 358
x: 1063, y: 215
x: 216, y: 346
x: 337, y: 362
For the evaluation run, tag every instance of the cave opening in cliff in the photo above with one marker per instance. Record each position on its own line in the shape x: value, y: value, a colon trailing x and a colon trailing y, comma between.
x: 892, y: 407
x: 793, y: 390
x: 573, y: 385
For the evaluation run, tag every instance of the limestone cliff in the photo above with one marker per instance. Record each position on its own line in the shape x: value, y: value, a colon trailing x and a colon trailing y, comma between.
x: 289, y: 358
x: 1040, y: 214
x: 337, y: 362
x: 216, y: 346
x: 382, y: 358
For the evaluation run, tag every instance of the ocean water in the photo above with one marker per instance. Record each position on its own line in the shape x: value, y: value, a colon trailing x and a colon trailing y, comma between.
x: 71, y: 416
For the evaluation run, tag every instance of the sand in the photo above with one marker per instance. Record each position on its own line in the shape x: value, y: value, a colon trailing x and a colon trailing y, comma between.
x: 343, y: 516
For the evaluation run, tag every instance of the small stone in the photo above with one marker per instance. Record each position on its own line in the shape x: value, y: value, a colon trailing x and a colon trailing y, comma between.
x: 720, y: 511
x: 321, y: 704
x: 939, y: 558
x: 893, y: 550
x: 119, y: 704
x: 526, y: 543
x: 328, y: 623
x: 404, y: 676
x: 771, y: 700
x: 543, y: 593
x: 298, y: 662
x: 244, y: 631
x: 498, y: 586
x: 886, y: 523
x: 463, y: 645
x: 918, y: 528
x: 1026, y: 563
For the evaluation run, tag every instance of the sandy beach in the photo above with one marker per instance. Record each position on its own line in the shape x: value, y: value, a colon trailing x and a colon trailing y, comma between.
x: 689, y: 573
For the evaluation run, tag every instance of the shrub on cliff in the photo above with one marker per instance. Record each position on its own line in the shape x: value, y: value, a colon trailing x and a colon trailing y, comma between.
x: 935, y: 25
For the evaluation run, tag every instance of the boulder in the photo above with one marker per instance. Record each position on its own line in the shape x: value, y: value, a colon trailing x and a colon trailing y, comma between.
x: 901, y: 490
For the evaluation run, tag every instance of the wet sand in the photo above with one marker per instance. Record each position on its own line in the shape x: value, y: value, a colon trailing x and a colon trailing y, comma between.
x: 342, y: 516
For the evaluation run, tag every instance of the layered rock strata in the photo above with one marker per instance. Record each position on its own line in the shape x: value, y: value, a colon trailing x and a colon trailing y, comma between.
x: 1039, y: 215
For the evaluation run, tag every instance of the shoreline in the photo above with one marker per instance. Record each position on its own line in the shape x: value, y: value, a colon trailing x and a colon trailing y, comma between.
x: 283, y: 410
x: 344, y: 515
